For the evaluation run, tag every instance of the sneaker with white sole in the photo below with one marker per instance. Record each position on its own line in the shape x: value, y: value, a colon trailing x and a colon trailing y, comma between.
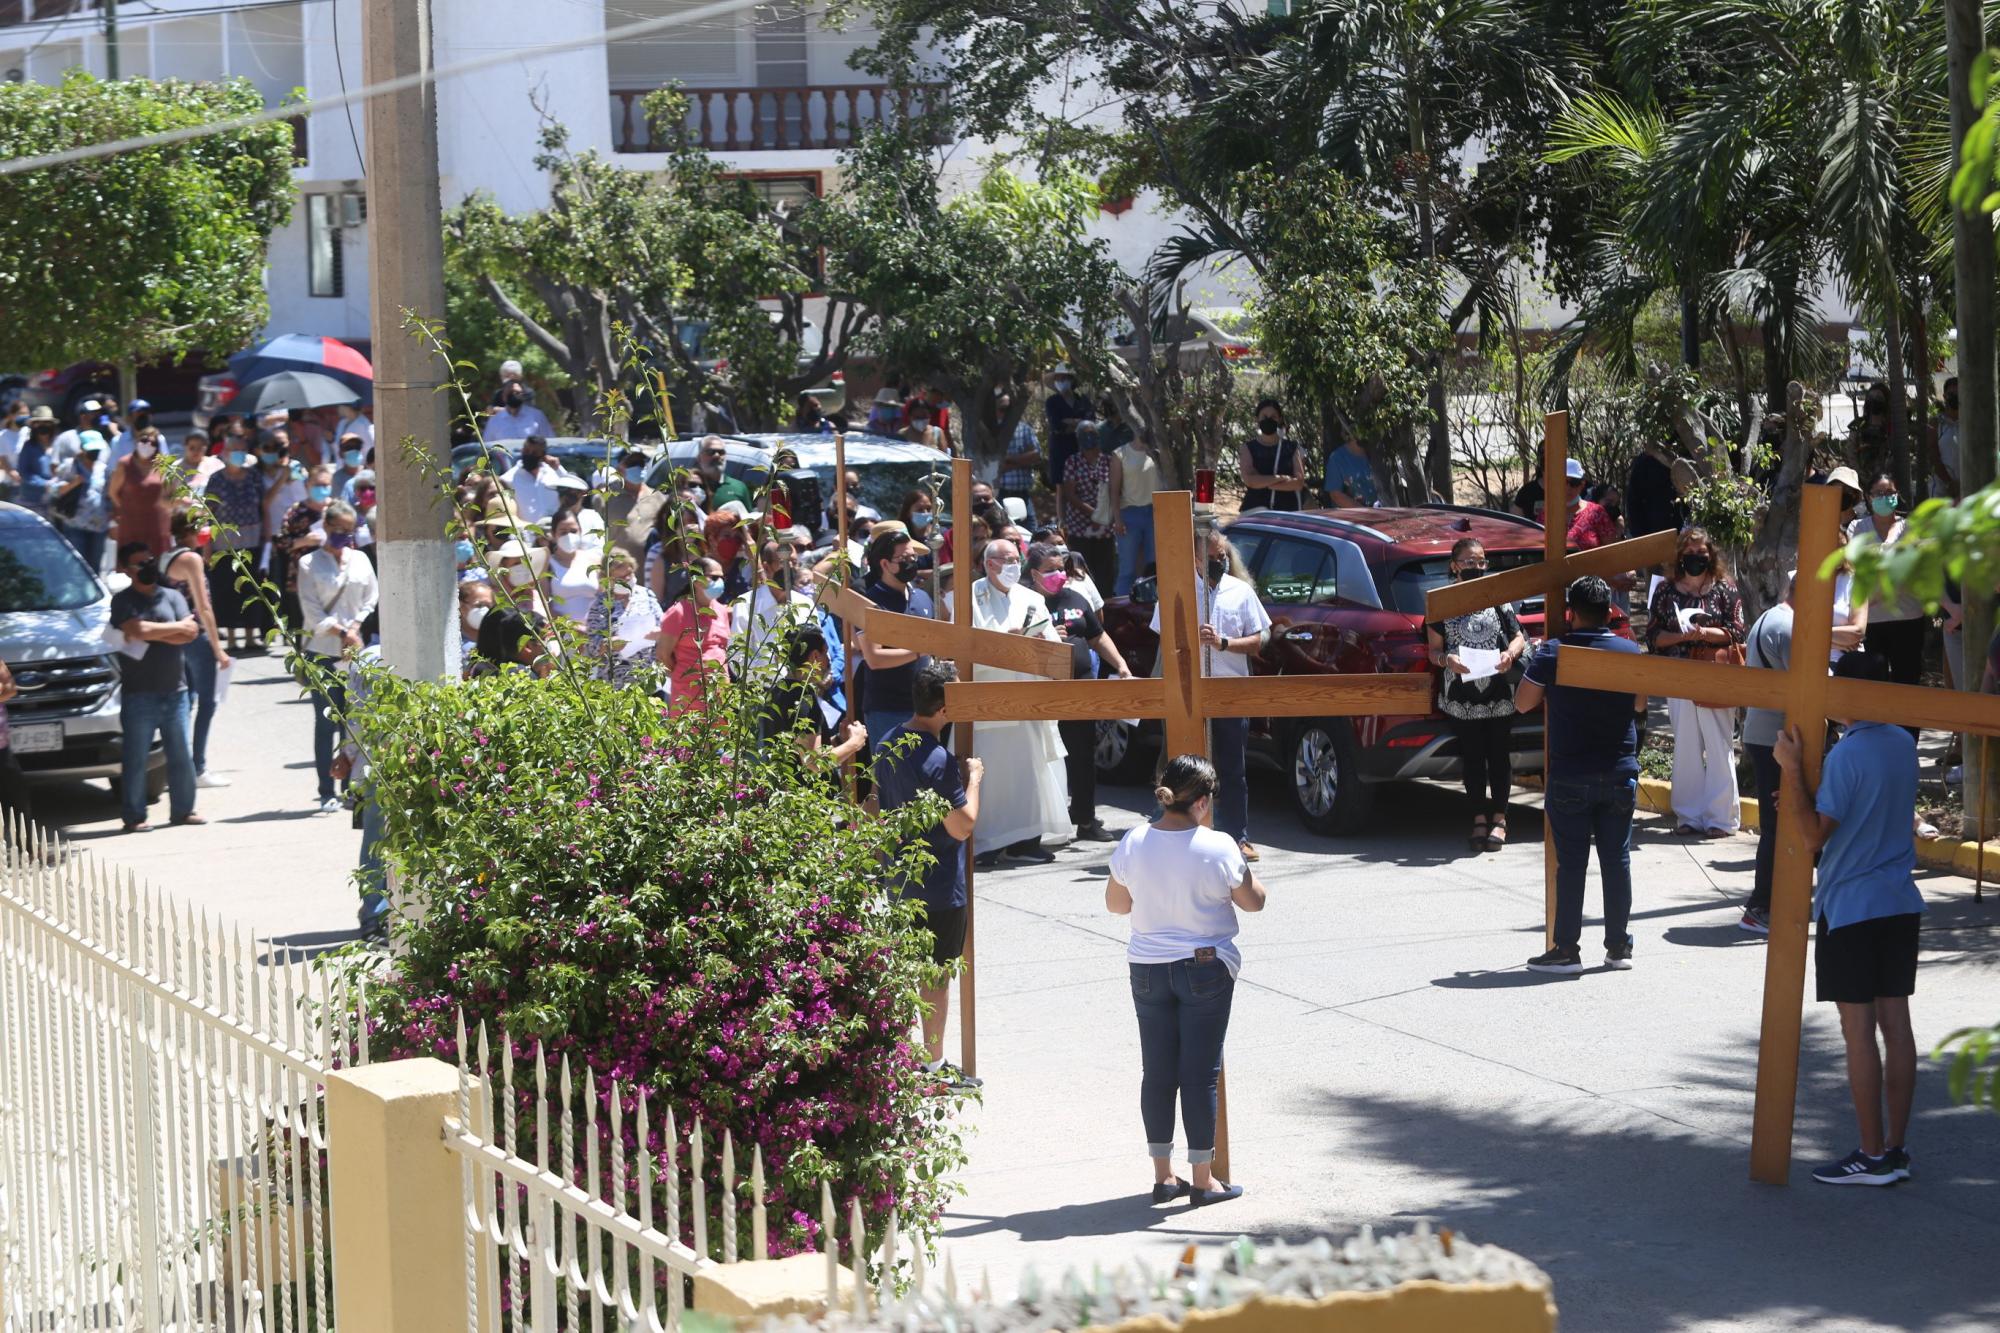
x: 1558, y: 959
x: 1858, y: 1168
x: 1755, y: 920
x: 210, y: 780
x: 1620, y: 958
x: 332, y: 805
x: 1899, y: 1162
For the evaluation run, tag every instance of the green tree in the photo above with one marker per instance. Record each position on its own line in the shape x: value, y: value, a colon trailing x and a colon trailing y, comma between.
x: 142, y: 255
x: 976, y: 293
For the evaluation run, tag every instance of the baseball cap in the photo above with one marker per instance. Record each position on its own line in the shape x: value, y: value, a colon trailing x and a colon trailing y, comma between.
x: 1573, y: 470
x: 89, y: 440
x: 138, y: 405
x: 510, y: 368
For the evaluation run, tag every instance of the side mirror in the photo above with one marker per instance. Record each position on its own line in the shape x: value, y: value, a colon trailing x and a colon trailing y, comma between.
x: 1146, y: 592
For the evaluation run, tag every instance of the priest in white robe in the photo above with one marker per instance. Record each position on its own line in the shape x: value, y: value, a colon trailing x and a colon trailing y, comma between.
x: 1026, y: 797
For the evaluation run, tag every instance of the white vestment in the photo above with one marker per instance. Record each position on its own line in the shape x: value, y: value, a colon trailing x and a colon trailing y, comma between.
x: 1026, y: 790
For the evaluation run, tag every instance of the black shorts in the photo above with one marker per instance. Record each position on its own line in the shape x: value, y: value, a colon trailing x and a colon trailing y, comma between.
x: 947, y: 928
x: 1868, y: 960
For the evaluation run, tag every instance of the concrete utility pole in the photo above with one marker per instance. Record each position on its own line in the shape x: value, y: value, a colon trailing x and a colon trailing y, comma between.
x: 406, y: 273
x: 111, y: 39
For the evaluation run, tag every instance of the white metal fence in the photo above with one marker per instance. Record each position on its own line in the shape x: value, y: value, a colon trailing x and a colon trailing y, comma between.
x: 162, y: 1145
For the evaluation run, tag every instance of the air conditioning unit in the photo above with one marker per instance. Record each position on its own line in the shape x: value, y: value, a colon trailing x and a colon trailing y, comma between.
x: 353, y: 209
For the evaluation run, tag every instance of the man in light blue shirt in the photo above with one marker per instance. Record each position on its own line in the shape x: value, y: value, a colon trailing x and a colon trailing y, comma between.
x: 1868, y: 908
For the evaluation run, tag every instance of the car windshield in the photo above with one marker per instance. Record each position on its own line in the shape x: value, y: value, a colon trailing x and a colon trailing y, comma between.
x: 39, y: 571
x: 1414, y: 578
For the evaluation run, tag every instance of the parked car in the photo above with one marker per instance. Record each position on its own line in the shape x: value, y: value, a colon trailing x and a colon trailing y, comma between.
x: 887, y: 467
x: 53, y: 613
x: 1345, y: 593
x: 173, y: 388
x: 214, y: 393
x: 583, y: 456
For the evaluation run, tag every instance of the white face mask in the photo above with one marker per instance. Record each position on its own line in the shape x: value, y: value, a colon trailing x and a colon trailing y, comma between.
x: 145, y: 450
x: 1009, y: 575
x: 519, y: 576
x: 567, y: 543
x: 476, y: 617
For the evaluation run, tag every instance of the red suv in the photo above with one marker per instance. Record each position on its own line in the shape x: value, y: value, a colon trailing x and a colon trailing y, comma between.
x: 1345, y: 593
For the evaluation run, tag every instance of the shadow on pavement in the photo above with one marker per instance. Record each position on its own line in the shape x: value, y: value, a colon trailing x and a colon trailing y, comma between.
x: 270, y: 816
x: 307, y: 945
x: 1123, y: 1216
x: 1507, y: 980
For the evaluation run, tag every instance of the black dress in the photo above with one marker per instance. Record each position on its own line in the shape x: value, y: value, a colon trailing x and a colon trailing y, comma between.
x: 1272, y: 460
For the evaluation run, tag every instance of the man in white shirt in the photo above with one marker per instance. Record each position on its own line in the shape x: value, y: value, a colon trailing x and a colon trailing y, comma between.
x: 12, y: 437
x: 763, y: 616
x: 1031, y: 802
x: 517, y: 419
x: 1234, y: 629
x: 337, y: 594
x: 533, y: 482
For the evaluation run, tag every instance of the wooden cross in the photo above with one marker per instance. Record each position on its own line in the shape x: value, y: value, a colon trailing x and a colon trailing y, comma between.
x: 966, y: 646
x: 1181, y: 695
x: 1551, y: 578
x: 1808, y: 696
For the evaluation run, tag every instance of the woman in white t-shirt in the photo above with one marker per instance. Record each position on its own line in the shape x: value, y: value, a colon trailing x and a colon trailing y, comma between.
x: 1181, y: 882
x: 574, y: 569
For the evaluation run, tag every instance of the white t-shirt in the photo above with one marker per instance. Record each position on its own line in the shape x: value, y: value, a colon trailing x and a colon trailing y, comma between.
x: 1231, y: 606
x: 535, y: 494
x: 574, y: 590
x: 508, y: 425
x: 1180, y: 884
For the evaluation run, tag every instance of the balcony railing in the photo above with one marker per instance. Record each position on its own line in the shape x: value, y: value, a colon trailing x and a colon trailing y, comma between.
x: 739, y: 120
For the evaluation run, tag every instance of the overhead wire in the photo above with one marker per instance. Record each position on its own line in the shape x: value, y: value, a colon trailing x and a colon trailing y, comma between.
x: 368, y: 92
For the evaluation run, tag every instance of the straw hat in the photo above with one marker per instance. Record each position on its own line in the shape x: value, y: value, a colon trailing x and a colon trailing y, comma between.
x: 1844, y: 476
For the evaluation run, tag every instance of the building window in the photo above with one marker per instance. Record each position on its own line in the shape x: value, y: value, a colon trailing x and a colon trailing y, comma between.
x: 791, y: 193
x: 325, y: 274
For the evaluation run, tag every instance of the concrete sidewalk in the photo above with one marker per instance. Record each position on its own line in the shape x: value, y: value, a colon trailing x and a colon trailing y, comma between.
x: 1389, y: 1060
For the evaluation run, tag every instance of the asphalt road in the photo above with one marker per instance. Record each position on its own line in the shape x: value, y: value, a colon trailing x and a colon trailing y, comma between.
x: 1389, y: 1059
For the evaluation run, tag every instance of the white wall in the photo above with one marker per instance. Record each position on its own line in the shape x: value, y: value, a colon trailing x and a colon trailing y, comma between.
x: 285, y: 278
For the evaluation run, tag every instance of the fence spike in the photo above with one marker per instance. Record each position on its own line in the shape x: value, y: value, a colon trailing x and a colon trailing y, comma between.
x: 700, y: 1192
x: 887, y: 1285
x: 671, y: 1223
x: 760, y: 1236
x: 829, y: 1244
x: 857, y: 1239
x: 728, y: 1196
x: 541, y: 1105
x: 950, y: 1282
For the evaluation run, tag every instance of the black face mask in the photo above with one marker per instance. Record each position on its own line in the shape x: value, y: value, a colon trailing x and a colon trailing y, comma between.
x: 1217, y: 567
x: 1694, y: 565
x: 908, y: 567
x: 1267, y: 427
x: 1470, y: 573
x: 1951, y: 402
x: 786, y: 577
x: 532, y: 461
x: 146, y: 575
x: 1616, y: 511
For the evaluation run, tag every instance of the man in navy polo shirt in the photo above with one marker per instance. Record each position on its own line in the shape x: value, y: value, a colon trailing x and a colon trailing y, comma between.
x: 1592, y: 784
x: 1868, y: 908
x: 909, y: 761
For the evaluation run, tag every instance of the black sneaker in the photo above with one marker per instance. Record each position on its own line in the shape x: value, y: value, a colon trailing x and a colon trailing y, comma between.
x: 1619, y: 959
x: 1898, y: 1160
x: 1858, y: 1168
x: 1095, y: 831
x: 1171, y: 1190
x: 1030, y: 853
x: 1557, y: 959
x: 957, y: 1079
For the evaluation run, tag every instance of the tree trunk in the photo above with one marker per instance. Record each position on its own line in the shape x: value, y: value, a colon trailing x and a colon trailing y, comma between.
x: 1909, y: 473
x: 1690, y: 327
x: 1777, y: 354
x: 1973, y: 270
x: 128, y: 386
x: 1899, y: 389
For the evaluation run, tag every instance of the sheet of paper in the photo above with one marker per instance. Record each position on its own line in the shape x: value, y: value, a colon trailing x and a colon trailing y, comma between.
x: 1688, y: 616
x: 1481, y: 663
x: 222, y: 679
x: 631, y: 631
x: 829, y: 712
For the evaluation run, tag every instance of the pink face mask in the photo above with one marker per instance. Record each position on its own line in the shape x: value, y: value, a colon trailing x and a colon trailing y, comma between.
x: 1054, y: 580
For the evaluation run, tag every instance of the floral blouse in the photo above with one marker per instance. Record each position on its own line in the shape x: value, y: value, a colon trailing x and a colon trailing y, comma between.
x: 597, y: 625
x: 1719, y: 604
x: 1090, y: 477
x: 1491, y: 628
x: 237, y: 502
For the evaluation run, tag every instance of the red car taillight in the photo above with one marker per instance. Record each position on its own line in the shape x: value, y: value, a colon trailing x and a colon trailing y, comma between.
x: 42, y: 379
x: 1235, y: 351
x: 225, y: 389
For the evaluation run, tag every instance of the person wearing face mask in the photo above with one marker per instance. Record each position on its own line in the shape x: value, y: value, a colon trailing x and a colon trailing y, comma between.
x: 185, y: 570
x: 892, y: 567
x: 1087, y: 508
x: 1089, y: 644
x: 475, y: 603
x: 198, y: 462
x: 1589, y: 525
x: 235, y: 500
x: 1273, y: 467
x: 297, y: 534
x: 918, y: 512
x: 34, y: 467
x: 1698, y: 614
x: 1896, y: 629
x: 153, y: 687
x: 1480, y: 711
x: 622, y: 613
x: 922, y: 431
x: 122, y: 443
x: 1064, y: 408
x: 630, y: 505
x: 1350, y: 476
x: 576, y: 557
x: 1234, y: 629
x: 81, y: 506
x: 805, y: 705
x: 1023, y: 458
x: 764, y: 615
x: 1033, y: 803
x: 533, y: 482
x: 1182, y: 882
x: 337, y: 594
x: 353, y: 461
x: 1135, y: 475
x: 694, y: 638
x: 138, y: 495
x: 286, y: 483
x: 517, y: 418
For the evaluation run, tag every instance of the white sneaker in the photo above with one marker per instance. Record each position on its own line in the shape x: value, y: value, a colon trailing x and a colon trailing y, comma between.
x: 1926, y: 829
x: 332, y: 805
x: 1955, y: 775
x: 209, y: 780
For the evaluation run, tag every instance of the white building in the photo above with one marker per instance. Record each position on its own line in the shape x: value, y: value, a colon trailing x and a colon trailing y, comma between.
x: 772, y: 96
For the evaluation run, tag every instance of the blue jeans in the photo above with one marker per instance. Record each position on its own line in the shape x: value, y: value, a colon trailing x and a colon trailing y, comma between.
x: 326, y: 729
x: 1135, y: 548
x: 1764, y: 763
x: 140, y: 715
x: 89, y: 545
x: 200, y: 666
x: 1183, y: 1012
x: 374, y: 895
x: 1229, y: 743
x: 1582, y: 811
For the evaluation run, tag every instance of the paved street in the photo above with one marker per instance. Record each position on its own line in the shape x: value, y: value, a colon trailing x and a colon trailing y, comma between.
x: 1389, y: 1060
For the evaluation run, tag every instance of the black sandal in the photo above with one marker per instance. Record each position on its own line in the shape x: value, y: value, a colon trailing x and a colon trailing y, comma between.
x: 1223, y: 1193
x: 1478, y: 838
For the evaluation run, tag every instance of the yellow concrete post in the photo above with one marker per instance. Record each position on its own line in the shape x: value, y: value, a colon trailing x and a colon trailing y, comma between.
x: 396, y: 1195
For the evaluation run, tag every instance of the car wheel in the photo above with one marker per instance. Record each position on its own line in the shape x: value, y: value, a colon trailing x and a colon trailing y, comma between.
x: 1324, y: 765
x: 1123, y: 754
x: 156, y: 783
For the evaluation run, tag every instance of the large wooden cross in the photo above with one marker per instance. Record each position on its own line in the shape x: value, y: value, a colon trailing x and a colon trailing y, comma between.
x: 1808, y: 696
x: 966, y: 646
x: 1181, y: 696
x: 1551, y: 578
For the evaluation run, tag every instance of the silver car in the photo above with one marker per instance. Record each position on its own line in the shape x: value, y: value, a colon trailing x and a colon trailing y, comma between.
x: 53, y: 612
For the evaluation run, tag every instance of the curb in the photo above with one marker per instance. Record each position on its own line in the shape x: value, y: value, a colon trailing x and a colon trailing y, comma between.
x: 1965, y: 858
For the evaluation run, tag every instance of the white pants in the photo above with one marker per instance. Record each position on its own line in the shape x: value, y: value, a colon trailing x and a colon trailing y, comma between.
x: 1704, y: 794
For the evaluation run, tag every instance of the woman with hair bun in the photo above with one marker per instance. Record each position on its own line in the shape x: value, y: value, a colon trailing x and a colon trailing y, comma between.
x: 1181, y: 882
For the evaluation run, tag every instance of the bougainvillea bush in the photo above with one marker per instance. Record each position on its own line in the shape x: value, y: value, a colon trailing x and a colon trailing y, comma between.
x: 671, y: 903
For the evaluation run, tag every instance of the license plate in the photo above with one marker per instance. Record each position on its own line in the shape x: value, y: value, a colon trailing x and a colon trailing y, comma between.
x: 38, y: 738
